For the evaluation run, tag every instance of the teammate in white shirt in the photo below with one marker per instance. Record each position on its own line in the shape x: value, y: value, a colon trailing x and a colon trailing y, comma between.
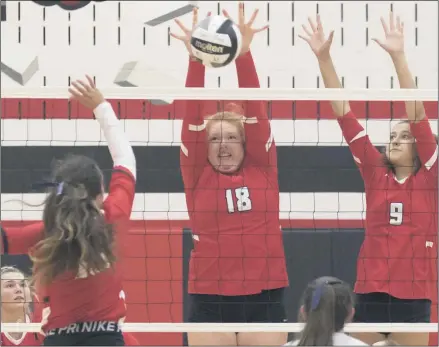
x: 327, y: 305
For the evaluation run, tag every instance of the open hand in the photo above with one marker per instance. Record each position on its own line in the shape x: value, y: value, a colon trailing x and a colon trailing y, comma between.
x: 246, y: 29
x: 315, y: 37
x: 394, y: 35
x: 187, y: 33
x: 86, y: 93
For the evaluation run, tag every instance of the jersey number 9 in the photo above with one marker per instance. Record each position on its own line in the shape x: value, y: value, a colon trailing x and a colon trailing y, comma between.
x: 396, y: 213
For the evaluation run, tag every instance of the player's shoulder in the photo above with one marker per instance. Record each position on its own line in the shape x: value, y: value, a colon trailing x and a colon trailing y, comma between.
x: 118, y: 203
x: 423, y: 177
x: 121, y: 173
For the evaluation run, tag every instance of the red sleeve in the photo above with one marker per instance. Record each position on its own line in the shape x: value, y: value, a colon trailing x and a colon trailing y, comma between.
x: 426, y: 145
x: 130, y: 340
x: 260, y: 144
x: 193, y: 153
x: 21, y: 239
x: 365, y: 154
x: 119, y: 202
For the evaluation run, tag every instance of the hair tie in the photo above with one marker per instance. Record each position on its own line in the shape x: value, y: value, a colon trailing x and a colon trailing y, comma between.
x: 316, y: 296
x: 59, y: 188
x: 43, y: 185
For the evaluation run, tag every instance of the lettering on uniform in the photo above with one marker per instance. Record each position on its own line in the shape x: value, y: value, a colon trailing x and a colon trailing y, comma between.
x: 86, y: 327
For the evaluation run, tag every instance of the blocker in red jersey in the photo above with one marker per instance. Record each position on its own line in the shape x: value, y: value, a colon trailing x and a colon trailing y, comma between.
x: 397, y: 263
x: 237, y: 270
x: 18, y: 306
x: 74, y: 250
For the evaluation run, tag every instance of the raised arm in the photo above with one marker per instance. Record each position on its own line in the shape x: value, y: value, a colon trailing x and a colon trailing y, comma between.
x: 260, y: 146
x: 425, y: 139
x: 366, y: 156
x: 118, y: 204
x: 193, y: 150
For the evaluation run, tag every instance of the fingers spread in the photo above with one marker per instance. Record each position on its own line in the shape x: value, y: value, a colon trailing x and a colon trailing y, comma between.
x: 241, y: 15
x: 385, y: 28
x: 304, y: 38
x: 85, y: 86
x: 392, y: 21
x: 74, y: 93
x: 194, y: 17
x: 305, y: 29
x: 178, y: 37
x: 312, y: 25
x: 91, y: 82
x: 253, y: 17
x: 227, y: 15
x: 79, y: 88
x: 182, y: 27
x: 265, y: 27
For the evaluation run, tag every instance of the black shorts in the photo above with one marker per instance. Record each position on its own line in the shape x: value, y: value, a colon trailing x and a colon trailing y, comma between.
x: 100, y: 334
x: 265, y: 307
x: 384, y: 308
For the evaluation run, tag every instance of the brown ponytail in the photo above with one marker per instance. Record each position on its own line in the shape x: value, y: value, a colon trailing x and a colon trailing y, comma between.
x: 327, y: 304
x: 77, y: 236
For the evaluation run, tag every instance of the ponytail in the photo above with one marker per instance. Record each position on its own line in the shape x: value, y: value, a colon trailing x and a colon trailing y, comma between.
x: 327, y: 305
x: 320, y: 320
x: 76, y: 235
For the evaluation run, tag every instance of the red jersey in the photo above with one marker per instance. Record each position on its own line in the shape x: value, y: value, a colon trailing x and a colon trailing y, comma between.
x: 71, y: 298
x: 238, y: 246
x: 26, y: 339
x: 399, y: 252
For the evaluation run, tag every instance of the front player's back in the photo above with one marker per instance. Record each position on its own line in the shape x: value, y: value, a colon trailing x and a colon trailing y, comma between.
x: 70, y: 299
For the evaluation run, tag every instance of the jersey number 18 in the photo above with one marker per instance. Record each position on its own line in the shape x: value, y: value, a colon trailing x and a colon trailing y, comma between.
x: 242, y: 197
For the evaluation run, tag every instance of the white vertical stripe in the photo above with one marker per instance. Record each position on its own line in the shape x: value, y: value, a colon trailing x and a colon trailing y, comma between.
x: 432, y: 160
x: 184, y: 149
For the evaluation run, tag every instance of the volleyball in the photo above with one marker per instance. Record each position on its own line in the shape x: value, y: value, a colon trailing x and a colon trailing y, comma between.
x: 216, y: 41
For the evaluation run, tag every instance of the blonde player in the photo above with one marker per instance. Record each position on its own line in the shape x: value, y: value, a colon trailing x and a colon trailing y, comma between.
x: 16, y: 301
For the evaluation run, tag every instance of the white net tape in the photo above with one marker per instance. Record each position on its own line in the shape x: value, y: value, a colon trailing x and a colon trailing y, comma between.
x: 249, y: 327
x: 234, y: 94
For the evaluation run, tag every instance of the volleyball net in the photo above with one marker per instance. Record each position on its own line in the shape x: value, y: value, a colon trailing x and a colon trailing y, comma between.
x: 322, y: 204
